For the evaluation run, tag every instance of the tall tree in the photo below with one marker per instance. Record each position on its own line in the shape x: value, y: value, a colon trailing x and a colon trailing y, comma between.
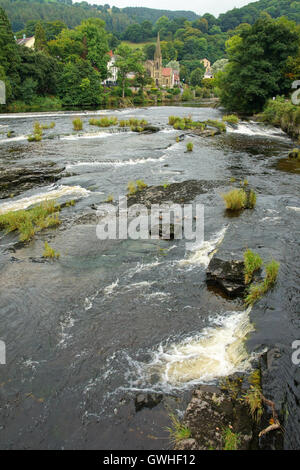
x: 9, y: 56
x: 257, y: 64
x: 40, y: 38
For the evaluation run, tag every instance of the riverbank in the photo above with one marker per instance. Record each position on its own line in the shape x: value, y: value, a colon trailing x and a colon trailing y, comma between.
x: 282, y: 113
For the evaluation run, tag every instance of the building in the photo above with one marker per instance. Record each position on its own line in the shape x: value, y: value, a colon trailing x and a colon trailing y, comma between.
x: 27, y: 42
x: 163, y: 76
x: 208, y: 69
x: 112, y: 70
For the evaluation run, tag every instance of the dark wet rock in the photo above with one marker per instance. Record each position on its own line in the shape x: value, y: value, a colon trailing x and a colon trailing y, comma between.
x: 149, y: 400
x: 38, y: 260
x: 294, y: 154
x: 205, y: 132
x: 179, y: 193
x: 151, y: 129
x: 227, y: 275
x: 209, y: 413
x: 15, y: 180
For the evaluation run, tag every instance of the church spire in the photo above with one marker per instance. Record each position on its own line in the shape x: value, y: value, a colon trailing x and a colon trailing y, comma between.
x: 157, y: 55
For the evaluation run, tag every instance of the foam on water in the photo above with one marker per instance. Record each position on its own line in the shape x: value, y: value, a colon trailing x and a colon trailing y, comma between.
x: 216, y: 352
x: 117, y: 163
x: 13, y: 139
x: 203, y: 254
x: 252, y: 128
x: 15, y: 205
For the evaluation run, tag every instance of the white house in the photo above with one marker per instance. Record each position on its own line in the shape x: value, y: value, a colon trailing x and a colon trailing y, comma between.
x: 112, y: 70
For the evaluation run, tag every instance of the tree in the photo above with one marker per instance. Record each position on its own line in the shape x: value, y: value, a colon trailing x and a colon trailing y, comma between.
x: 40, y: 38
x: 219, y: 66
x: 197, y: 76
x: 257, y: 64
x: 79, y: 84
x: 127, y: 61
x: 9, y: 56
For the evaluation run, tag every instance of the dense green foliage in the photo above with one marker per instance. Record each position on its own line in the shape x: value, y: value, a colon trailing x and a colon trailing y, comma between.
x: 258, y: 61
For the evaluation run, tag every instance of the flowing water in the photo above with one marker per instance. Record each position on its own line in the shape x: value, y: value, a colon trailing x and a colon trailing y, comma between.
x: 113, y: 319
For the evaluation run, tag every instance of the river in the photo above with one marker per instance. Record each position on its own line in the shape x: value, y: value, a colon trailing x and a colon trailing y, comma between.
x: 111, y: 320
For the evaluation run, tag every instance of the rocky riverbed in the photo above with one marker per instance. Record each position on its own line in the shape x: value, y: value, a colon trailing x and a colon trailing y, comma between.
x: 105, y: 343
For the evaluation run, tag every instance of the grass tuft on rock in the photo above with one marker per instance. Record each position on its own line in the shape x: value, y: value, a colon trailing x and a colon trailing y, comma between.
x: 28, y: 222
x: 256, y: 291
x: 231, y: 119
x: 235, y: 200
x: 253, y: 262
x: 77, y: 124
x: 189, y: 146
x: 177, y: 430
x: 231, y: 440
x: 49, y: 252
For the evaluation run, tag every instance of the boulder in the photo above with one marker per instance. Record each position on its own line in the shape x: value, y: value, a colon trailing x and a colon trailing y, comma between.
x: 227, y: 275
x: 149, y: 400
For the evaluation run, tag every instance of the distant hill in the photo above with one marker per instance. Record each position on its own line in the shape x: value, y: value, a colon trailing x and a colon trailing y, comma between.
x: 118, y: 19
x: 250, y: 12
x: 139, y: 14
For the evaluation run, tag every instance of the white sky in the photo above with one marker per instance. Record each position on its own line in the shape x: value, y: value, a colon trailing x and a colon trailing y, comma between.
x: 200, y: 7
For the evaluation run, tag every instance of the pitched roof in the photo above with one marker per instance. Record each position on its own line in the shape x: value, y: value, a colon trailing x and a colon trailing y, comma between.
x: 111, y: 53
x: 23, y: 41
x: 167, y: 72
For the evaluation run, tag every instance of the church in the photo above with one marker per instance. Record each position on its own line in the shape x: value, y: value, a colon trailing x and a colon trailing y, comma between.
x: 163, y: 76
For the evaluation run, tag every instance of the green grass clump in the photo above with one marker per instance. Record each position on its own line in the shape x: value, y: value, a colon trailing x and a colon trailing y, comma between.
x: 230, y: 439
x: 124, y: 123
x: 235, y: 200
x: 104, y: 122
x: 251, y: 202
x: 217, y: 124
x: 253, y: 262
x: 173, y: 119
x: 177, y: 430
x: 9, y: 134
x: 77, y: 124
x: 189, y: 146
x: 231, y: 119
x: 37, y: 133
x: 133, y: 187
x: 253, y: 397
x: 256, y: 291
x: 48, y: 126
x: 140, y: 184
x: 110, y: 198
x: 50, y: 252
x: 28, y: 222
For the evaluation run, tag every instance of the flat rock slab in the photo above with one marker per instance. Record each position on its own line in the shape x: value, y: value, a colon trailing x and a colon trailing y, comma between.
x: 208, y: 414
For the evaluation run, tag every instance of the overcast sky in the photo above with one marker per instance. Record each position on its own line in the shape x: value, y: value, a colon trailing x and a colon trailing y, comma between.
x: 198, y: 6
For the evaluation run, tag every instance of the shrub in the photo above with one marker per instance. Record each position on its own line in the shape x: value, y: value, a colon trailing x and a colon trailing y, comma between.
x: 189, y: 146
x: 77, y: 124
x: 253, y: 262
x: 231, y: 119
x: 50, y: 252
x: 187, y: 95
x: 235, y: 200
x: 230, y: 439
x: 28, y: 222
x: 178, y: 431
